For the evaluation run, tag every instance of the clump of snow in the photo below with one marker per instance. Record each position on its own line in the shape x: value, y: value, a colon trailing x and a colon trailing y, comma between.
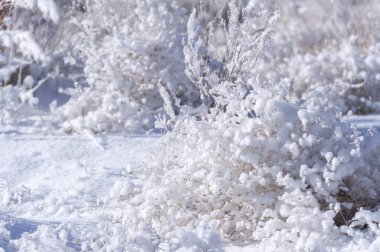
x: 203, y: 238
x: 45, y: 238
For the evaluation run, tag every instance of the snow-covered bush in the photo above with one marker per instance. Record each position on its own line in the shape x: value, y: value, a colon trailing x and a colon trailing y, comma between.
x: 255, y: 165
x: 129, y: 56
x: 24, y: 25
x: 121, y: 226
x: 121, y: 230
x: 225, y: 49
x: 35, y: 39
x: 245, y: 171
x: 331, y: 46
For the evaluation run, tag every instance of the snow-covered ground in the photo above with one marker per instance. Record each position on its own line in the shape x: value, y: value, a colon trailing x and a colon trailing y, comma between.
x: 53, y: 188
x: 61, y: 180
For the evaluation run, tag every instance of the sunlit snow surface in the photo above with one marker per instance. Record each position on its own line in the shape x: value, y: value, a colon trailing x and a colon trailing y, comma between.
x: 62, y: 180
x: 53, y: 187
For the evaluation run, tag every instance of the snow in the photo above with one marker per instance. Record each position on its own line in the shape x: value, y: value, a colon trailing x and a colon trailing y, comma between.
x: 53, y: 180
x: 365, y: 122
x: 268, y: 162
x: 53, y: 188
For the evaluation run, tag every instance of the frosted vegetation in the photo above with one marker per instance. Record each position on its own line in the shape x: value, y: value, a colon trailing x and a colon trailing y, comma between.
x: 251, y: 98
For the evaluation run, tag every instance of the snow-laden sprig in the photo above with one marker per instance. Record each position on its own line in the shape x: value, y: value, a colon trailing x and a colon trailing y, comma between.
x: 22, y: 41
x: 19, y: 37
x: 246, y: 33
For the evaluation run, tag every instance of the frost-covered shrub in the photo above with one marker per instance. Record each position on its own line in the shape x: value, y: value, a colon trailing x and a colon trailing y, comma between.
x: 24, y: 26
x: 122, y: 226
x: 124, y: 230
x: 244, y: 171
x: 128, y: 56
x: 255, y: 165
x: 33, y: 31
x: 313, y: 230
x: 331, y: 45
x: 225, y: 49
x: 35, y: 39
x: 121, y: 230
